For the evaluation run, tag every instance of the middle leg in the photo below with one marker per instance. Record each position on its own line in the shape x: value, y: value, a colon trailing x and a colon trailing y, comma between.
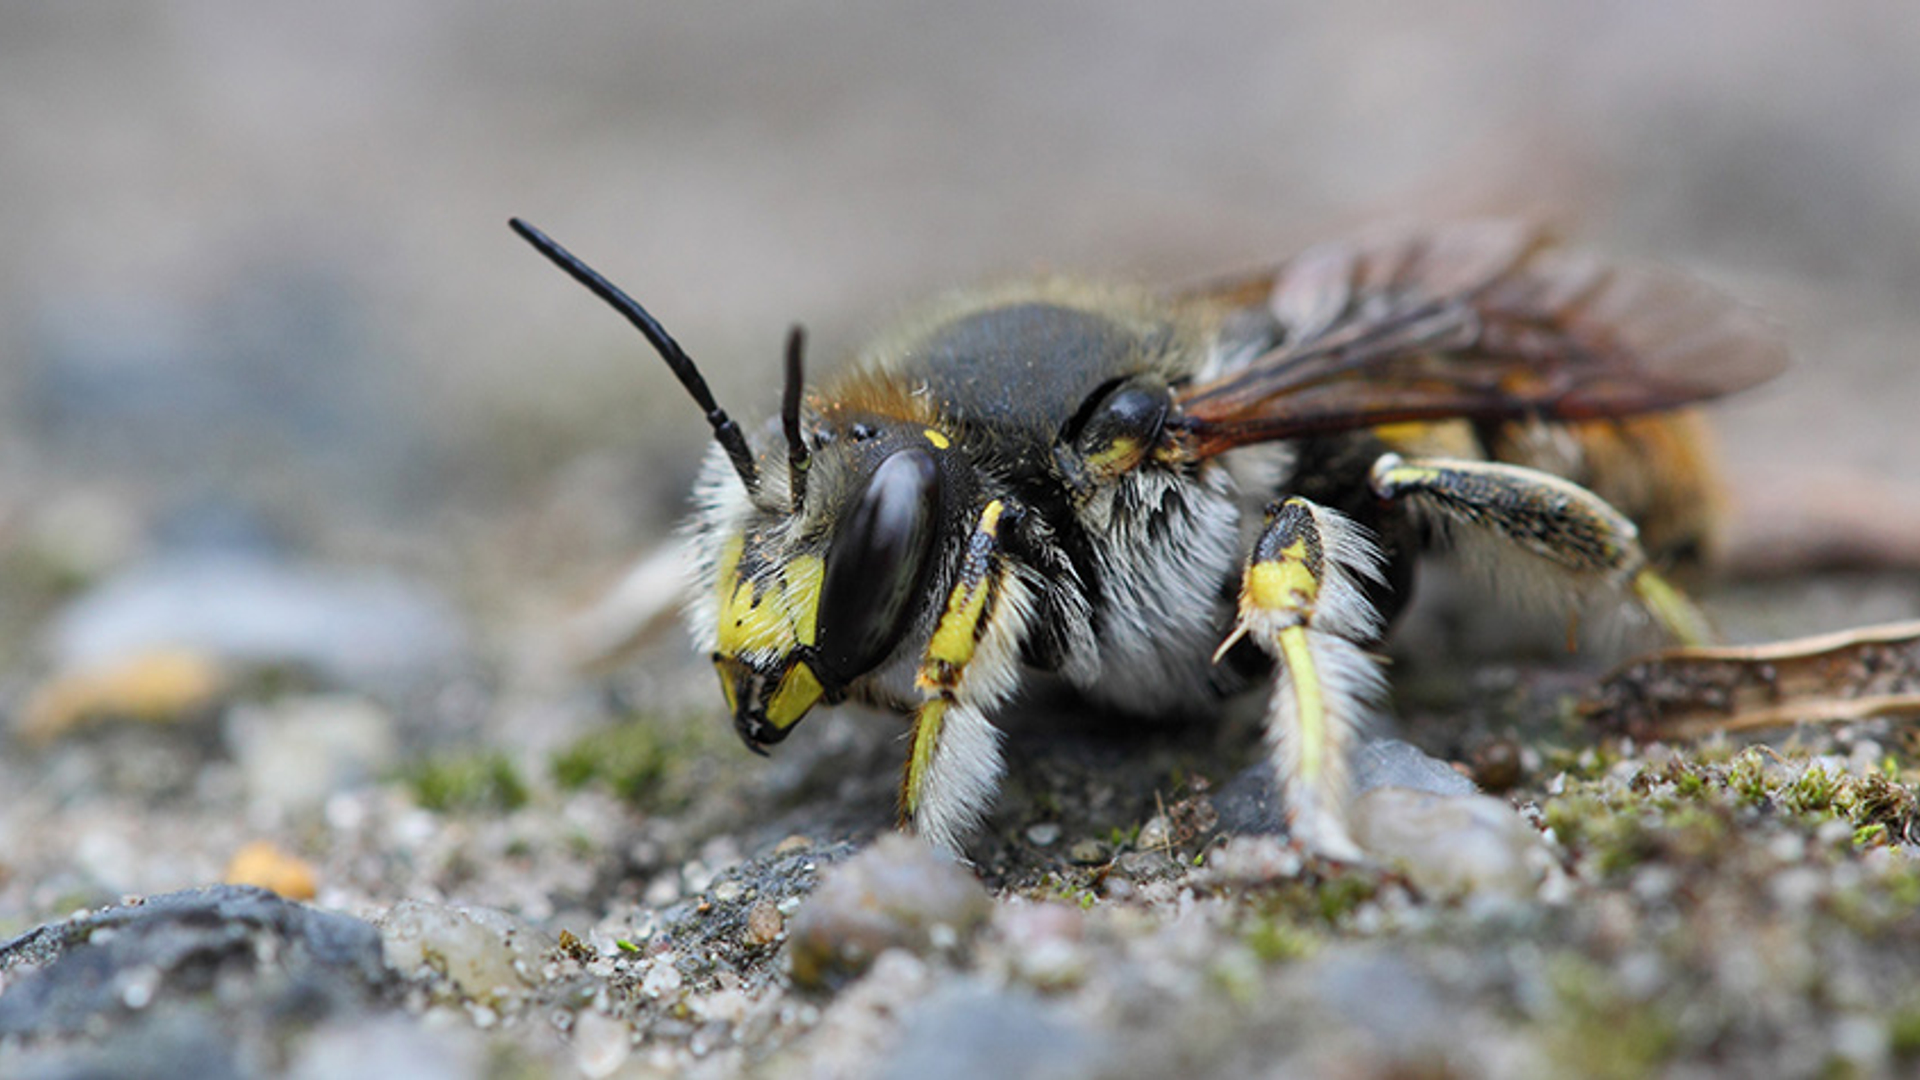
x: 1303, y: 600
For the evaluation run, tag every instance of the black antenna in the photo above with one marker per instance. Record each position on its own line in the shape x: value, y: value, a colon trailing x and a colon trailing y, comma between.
x: 797, y: 458
x: 724, y: 429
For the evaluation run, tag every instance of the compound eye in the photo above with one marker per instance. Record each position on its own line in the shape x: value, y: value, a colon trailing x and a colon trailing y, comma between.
x: 1117, y: 430
x: 1132, y: 411
x: 876, y: 564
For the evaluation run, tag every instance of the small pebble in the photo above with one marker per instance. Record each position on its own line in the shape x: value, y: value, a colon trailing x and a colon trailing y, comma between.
x: 898, y: 894
x: 295, y: 753
x: 485, y: 954
x: 1156, y: 833
x: 1451, y: 845
x: 601, y: 1044
x: 1089, y: 852
x: 1497, y: 765
x: 159, y: 686
x: 1045, y: 834
x: 765, y: 924
x: 261, y: 863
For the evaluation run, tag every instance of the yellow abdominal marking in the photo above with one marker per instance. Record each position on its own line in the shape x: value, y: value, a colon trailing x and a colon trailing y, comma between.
x: 1403, y: 475
x: 799, y: 690
x: 926, y: 738
x: 1308, y: 696
x: 939, y: 441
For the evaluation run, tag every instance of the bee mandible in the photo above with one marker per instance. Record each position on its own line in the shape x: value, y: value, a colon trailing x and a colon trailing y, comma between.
x: 1168, y: 497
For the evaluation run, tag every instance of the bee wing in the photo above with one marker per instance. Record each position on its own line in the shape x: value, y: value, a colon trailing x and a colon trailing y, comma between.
x: 1480, y: 321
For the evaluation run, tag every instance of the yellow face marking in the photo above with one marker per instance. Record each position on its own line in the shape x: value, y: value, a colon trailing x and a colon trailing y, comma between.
x: 769, y: 615
x: 939, y: 441
x: 729, y: 565
x: 804, y: 576
x: 926, y: 739
x: 1309, y: 698
x: 1284, y: 583
x: 799, y: 690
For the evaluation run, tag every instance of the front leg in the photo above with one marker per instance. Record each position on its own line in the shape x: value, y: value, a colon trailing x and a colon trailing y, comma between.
x: 1303, y: 601
x: 970, y: 667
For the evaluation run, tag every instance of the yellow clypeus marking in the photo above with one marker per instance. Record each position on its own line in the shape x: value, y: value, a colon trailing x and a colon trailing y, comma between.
x: 926, y: 740
x: 799, y: 691
x: 1284, y: 583
x: 1309, y: 697
x: 731, y: 673
x: 939, y: 441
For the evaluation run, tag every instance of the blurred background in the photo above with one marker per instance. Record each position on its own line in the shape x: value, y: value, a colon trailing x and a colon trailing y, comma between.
x: 257, y: 289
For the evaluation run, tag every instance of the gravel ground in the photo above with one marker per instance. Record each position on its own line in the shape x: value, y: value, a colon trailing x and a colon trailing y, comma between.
x: 307, y: 468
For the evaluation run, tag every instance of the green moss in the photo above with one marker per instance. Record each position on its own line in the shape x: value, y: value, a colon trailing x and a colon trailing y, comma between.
x: 467, y: 782
x: 1878, y: 800
x: 1616, y: 830
x: 1598, y: 1031
x: 1276, y: 940
x: 1690, y: 784
x: 1903, y: 1032
x: 1309, y: 903
x: 634, y: 759
x: 1813, y: 792
x: 1339, y: 897
x: 1747, y: 778
x: 1594, y: 824
x: 1586, y: 763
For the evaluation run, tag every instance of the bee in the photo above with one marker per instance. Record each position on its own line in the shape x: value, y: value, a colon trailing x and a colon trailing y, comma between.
x: 1170, y: 497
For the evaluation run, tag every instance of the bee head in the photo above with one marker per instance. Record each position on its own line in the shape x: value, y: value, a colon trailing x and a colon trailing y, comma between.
x: 810, y: 597
x: 814, y: 586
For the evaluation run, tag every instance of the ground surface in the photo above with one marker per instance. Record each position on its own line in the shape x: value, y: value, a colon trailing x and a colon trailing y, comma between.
x: 285, y: 399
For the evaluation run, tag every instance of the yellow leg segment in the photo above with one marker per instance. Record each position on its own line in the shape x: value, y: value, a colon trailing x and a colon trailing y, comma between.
x: 1311, y: 704
x: 970, y: 666
x: 1302, y: 601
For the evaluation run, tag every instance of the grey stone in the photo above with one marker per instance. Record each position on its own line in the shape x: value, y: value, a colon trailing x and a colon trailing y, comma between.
x: 968, y: 1030
x: 1250, y: 803
x: 899, y: 893
x: 248, y: 947
x: 357, y: 628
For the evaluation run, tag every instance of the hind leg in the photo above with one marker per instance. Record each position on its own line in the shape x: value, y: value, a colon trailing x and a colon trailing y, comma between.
x: 1576, y: 544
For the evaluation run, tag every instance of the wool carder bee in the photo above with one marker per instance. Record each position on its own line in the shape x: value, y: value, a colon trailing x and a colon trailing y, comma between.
x: 1168, y: 497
